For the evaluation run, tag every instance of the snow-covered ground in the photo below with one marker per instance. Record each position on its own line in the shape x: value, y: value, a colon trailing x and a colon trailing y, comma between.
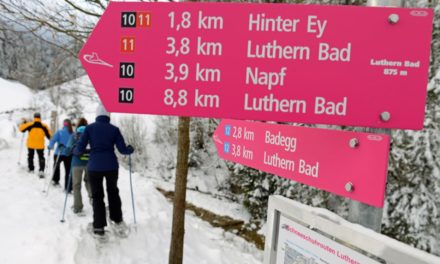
x: 31, y: 231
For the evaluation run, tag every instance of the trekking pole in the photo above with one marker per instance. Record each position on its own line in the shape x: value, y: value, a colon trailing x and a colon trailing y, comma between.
x: 21, y: 149
x: 131, y: 188
x: 53, y: 173
x: 67, y: 193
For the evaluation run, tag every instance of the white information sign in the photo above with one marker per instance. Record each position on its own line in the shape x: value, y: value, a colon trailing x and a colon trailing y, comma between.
x: 300, y: 245
x: 301, y: 234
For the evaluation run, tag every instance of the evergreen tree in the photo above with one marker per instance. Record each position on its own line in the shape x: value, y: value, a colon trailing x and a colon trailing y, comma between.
x: 413, y: 193
x: 412, y: 212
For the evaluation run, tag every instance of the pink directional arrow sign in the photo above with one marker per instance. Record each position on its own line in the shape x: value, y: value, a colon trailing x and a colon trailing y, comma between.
x: 350, y: 164
x: 302, y: 63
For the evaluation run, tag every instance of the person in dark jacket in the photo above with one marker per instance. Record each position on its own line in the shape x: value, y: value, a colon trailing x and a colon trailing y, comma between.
x: 61, y: 155
x: 102, y: 137
x: 35, y: 141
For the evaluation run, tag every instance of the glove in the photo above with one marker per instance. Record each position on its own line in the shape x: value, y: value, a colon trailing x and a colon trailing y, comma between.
x: 130, y: 148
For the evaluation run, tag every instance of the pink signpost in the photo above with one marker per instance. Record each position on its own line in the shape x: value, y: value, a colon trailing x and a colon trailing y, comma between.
x: 343, y: 65
x: 350, y: 164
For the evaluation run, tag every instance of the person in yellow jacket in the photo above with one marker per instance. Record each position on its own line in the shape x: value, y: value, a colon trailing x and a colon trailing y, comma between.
x: 35, y: 141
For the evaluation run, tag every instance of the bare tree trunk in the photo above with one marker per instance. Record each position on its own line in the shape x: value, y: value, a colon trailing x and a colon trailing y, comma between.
x: 53, y: 121
x: 178, y: 229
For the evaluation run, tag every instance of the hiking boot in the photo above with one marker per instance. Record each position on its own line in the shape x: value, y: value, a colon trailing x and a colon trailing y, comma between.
x: 56, y: 184
x: 76, y: 211
x: 98, y: 233
x: 41, y: 174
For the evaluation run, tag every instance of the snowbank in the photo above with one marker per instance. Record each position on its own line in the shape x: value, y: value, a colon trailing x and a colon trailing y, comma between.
x: 14, y: 95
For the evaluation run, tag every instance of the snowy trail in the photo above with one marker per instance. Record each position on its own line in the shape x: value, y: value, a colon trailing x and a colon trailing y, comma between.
x: 31, y: 231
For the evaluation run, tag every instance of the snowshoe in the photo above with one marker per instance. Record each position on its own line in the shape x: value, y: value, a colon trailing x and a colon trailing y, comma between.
x: 78, y: 212
x: 81, y: 214
x: 99, y: 234
x: 120, y: 229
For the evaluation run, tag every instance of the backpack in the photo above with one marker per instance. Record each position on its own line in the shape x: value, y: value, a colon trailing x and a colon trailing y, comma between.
x: 76, y: 137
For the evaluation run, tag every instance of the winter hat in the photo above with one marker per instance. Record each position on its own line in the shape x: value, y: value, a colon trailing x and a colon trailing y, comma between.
x: 100, y: 111
x: 67, y: 122
x: 37, y: 115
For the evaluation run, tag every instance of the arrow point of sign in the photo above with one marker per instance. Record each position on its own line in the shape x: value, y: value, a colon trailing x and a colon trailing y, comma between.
x: 217, y: 139
x: 98, y: 57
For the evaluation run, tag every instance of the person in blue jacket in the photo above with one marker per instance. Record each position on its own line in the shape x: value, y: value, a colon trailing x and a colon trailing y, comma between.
x: 102, y: 137
x: 61, y: 155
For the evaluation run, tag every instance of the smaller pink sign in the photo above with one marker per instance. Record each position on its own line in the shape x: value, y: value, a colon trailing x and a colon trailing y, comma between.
x: 350, y: 164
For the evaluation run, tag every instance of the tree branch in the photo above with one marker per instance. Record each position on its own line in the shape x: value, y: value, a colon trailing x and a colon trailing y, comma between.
x: 82, y: 10
x: 98, y: 3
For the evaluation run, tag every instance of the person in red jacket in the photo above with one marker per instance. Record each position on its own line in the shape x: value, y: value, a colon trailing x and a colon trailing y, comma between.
x: 35, y: 141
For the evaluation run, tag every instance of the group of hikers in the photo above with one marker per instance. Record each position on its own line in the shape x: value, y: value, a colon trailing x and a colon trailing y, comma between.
x: 86, y: 153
